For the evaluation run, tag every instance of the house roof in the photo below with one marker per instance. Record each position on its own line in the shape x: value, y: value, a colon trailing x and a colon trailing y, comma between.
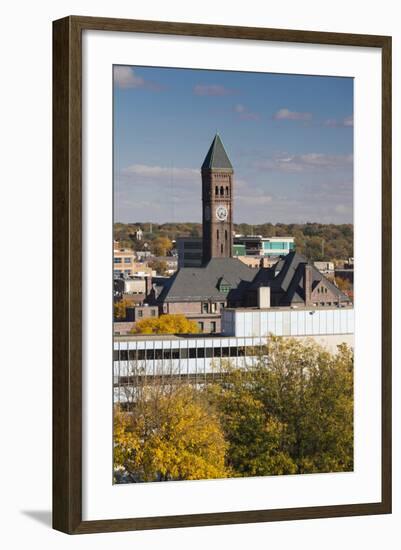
x: 217, y: 156
x: 286, y: 277
x: 191, y: 284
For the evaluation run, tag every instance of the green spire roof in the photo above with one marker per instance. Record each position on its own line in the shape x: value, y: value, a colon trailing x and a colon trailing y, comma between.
x: 217, y: 156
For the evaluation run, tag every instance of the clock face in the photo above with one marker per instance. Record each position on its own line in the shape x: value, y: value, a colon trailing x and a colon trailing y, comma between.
x: 221, y: 213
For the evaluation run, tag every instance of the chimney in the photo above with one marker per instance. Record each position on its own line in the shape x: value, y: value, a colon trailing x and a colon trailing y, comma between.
x: 263, y: 297
x: 148, y: 285
x: 308, y: 284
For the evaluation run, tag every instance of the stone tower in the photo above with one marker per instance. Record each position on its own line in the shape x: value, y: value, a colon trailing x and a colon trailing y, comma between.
x: 217, y: 203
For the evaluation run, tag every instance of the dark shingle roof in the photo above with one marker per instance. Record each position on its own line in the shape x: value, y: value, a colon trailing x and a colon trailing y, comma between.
x: 289, y: 280
x: 202, y: 283
x: 217, y: 156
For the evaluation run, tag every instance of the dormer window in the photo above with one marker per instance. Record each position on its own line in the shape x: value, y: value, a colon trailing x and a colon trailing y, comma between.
x: 223, y: 286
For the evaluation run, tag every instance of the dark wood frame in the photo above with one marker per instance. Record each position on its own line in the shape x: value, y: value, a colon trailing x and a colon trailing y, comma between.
x: 67, y: 314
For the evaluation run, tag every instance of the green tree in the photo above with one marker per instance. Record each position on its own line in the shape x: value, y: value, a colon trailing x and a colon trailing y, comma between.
x: 292, y: 412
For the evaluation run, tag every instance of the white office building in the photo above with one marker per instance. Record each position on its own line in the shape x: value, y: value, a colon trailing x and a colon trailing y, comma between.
x: 244, y: 334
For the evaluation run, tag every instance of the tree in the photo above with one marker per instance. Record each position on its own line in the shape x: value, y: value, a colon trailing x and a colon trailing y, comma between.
x: 160, y: 266
x: 254, y: 436
x: 343, y: 284
x: 170, y: 434
x: 120, y: 309
x: 166, y: 324
x: 292, y: 412
x: 161, y: 246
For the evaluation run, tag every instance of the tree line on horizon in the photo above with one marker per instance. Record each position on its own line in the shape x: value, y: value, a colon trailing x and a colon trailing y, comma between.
x: 317, y: 241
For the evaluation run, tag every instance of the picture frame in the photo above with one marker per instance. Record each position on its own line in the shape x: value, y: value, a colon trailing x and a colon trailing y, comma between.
x: 68, y: 296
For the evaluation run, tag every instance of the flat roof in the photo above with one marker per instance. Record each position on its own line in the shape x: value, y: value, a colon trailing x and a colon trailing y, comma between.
x: 177, y: 337
x: 289, y: 308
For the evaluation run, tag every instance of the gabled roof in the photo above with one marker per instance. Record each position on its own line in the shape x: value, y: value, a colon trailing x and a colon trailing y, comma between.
x: 191, y: 284
x: 217, y: 157
x: 286, y: 279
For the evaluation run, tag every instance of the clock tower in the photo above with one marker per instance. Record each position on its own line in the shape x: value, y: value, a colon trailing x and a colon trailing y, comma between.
x: 217, y: 203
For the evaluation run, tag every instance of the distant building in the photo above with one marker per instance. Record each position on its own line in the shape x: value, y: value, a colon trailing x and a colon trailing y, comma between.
x: 189, y: 251
x: 327, y: 268
x: 138, y: 313
x: 257, y: 261
x: 139, y: 234
x: 256, y: 245
x: 143, y: 254
x: 123, y: 261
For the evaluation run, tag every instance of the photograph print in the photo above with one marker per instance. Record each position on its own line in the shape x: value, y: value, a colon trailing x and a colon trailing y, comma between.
x: 233, y: 271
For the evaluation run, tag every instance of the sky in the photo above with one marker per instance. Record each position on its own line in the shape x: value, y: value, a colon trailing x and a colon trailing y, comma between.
x: 289, y: 139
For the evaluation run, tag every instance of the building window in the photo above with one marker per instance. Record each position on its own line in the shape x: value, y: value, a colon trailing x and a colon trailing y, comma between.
x: 140, y: 313
x: 226, y: 234
x: 153, y: 312
x: 117, y: 260
x: 222, y: 191
x: 218, y: 234
x: 204, y: 307
x: 213, y: 326
x: 201, y: 326
x: 127, y: 260
x: 227, y: 191
x: 217, y: 190
x: 221, y: 249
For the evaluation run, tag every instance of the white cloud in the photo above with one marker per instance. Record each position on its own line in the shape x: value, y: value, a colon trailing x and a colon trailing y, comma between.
x: 286, y: 114
x: 125, y: 77
x: 161, y: 172
x: 305, y: 163
x: 342, y: 123
x: 212, y: 89
x: 343, y: 208
x: 244, y: 113
x: 348, y: 121
x: 254, y: 200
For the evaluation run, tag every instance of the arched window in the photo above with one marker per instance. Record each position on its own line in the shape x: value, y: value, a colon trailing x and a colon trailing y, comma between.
x: 217, y: 190
x: 227, y: 190
x: 221, y: 248
x: 226, y: 234
x: 221, y: 190
x: 218, y: 234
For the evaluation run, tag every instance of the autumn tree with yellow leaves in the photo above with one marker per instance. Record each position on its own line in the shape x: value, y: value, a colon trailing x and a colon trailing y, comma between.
x: 166, y: 324
x: 169, y: 435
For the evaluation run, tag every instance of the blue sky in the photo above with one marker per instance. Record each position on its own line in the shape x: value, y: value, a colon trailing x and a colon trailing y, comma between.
x: 289, y: 139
